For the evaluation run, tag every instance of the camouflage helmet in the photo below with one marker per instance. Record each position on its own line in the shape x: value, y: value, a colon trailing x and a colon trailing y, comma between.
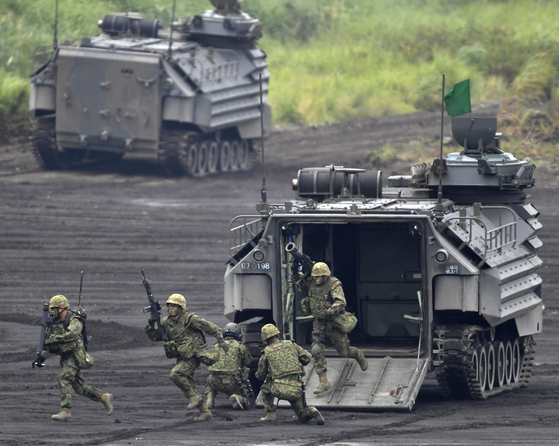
x: 233, y: 330
x: 268, y: 331
x: 320, y: 269
x: 59, y: 301
x: 177, y: 299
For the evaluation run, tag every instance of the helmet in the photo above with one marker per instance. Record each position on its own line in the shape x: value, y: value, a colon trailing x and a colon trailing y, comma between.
x: 233, y: 330
x: 59, y: 301
x: 177, y: 299
x: 268, y: 331
x: 320, y: 269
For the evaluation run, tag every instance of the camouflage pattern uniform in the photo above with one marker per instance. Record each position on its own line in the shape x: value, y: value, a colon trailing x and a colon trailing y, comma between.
x: 188, y: 344
x: 230, y: 370
x: 281, y: 367
x: 324, y: 303
x: 68, y: 343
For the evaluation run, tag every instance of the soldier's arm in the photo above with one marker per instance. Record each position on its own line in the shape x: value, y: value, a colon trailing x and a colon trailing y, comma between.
x: 206, y: 326
x: 304, y: 356
x: 72, y: 333
x: 262, y: 371
x: 151, y: 331
x: 338, y: 297
x: 246, y: 357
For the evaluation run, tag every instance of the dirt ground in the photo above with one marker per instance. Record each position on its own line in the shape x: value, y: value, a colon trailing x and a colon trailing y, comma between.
x: 112, y: 220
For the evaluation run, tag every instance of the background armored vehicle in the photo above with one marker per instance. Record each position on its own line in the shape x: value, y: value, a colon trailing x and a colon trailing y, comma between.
x: 445, y: 285
x: 188, y: 96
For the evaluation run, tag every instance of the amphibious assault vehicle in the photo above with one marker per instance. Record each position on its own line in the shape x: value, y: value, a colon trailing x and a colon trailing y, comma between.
x: 191, y: 96
x: 440, y: 282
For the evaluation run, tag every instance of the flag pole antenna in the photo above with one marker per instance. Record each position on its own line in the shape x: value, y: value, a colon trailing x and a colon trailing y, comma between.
x: 263, y: 194
x: 439, y: 212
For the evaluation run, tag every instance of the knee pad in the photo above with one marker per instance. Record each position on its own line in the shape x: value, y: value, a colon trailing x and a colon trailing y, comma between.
x: 317, y: 348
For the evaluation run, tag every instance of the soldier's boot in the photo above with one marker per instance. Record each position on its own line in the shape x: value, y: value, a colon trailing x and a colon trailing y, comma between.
x: 317, y: 416
x: 107, y: 400
x: 237, y: 402
x: 205, y: 414
x: 194, y: 398
x: 210, y: 399
x: 270, y: 417
x: 361, y: 360
x: 323, y: 385
x: 64, y: 415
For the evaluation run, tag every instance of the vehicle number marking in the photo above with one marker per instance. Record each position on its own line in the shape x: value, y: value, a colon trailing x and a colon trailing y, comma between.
x: 254, y: 265
x: 452, y: 269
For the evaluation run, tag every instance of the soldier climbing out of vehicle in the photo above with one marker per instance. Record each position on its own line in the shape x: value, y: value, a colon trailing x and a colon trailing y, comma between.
x: 281, y: 366
x: 229, y: 374
x: 66, y: 336
x: 326, y: 302
x: 186, y: 342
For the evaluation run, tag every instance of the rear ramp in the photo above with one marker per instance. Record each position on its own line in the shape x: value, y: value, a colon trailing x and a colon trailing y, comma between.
x: 389, y: 384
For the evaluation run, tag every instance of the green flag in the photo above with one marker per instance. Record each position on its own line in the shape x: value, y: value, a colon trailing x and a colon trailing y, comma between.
x: 457, y: 100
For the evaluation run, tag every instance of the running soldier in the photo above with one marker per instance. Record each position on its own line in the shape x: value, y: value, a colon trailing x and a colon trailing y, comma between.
x: 326, y: 302
x: 66, y: 337
x: 187, y: 343
x: 281, y: 366
x: 227, y: 374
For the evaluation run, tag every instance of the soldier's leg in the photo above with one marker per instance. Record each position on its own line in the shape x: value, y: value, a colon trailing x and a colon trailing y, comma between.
x: 340, y: 341
x: 268, y: 401
x: 211, y: 391
x: 317, y: 350
x: 93, y: 393
x: 183, y: 377
x: 235, y: 394
x: 305, y: 414
x: 66, y: 379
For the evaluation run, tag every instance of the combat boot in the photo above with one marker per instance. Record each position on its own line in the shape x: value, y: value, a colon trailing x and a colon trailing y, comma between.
x: 107, y: 400
x: 205, y: 414
x: 194, y: 398
x: 210, y: 399
x: 324, y: 385
x: 317, y: 416
x: 64, y: 415
x: 361, y: 360
x: 237, y: 402
x: 270, y: 417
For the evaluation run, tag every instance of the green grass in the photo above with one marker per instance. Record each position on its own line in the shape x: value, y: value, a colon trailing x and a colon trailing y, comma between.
x: 336, y: 60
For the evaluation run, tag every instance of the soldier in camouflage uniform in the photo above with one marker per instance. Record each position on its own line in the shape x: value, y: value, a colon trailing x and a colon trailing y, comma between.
x: 281, y: 366
x: 326, y: 301
x: 227, y: 374
x: 65, y: 337
x: 187, y: 343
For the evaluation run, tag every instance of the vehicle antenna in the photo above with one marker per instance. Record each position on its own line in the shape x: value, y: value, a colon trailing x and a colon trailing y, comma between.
x: 439, y: 212
x: 170, y: 51
x: 55, y: 38
x: 263, y: 193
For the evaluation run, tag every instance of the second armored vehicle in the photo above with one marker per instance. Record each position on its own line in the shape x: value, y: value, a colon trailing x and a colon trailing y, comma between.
x: 443, y: 285
x: 188, y: 97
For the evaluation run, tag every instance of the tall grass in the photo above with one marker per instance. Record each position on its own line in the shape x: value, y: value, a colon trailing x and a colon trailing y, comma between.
x: 341, y: 59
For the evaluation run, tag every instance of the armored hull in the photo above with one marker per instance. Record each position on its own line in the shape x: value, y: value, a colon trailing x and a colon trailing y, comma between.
x: 446, y: 285
x: 188, y: 97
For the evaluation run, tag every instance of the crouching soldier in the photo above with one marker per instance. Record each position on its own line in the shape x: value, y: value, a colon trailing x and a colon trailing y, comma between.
x: 66, y: 337
x: 281, y: 367
x: 227, y: 374
x: 186, y: 342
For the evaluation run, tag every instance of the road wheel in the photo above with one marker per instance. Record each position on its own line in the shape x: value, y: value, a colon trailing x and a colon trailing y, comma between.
x: 244, y: 155
x: 500, y: 364
x: 189, y: 159
x: 202, y: 163
x: 224, y: 156
x: 508, y: 363
x: 213, y: 157
x: 516, y: 361
x: 491, y: 366
x: 234, y: 156
x: 482, y: 366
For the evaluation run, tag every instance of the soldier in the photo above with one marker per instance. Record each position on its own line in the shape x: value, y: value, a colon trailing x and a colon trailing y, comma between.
x: 187, y: 343
x: 281, y: 367
x: 326, y: 302
x: 227, y: 374
x: 65, y: 337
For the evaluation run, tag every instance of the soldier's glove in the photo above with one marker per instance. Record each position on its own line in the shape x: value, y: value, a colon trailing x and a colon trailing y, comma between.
x: 221, y: 342
x: 151, y: 320
x: 305, y: 305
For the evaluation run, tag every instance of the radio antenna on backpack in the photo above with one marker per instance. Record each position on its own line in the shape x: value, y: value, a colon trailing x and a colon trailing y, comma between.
x: 170, y: 50
x: 80, y: 295
x: 55, y: 38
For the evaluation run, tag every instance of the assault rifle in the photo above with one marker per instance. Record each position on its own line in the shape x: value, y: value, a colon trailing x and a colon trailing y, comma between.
x: 154, y: 308
x: 301, y: 259
x: 39, y: 361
